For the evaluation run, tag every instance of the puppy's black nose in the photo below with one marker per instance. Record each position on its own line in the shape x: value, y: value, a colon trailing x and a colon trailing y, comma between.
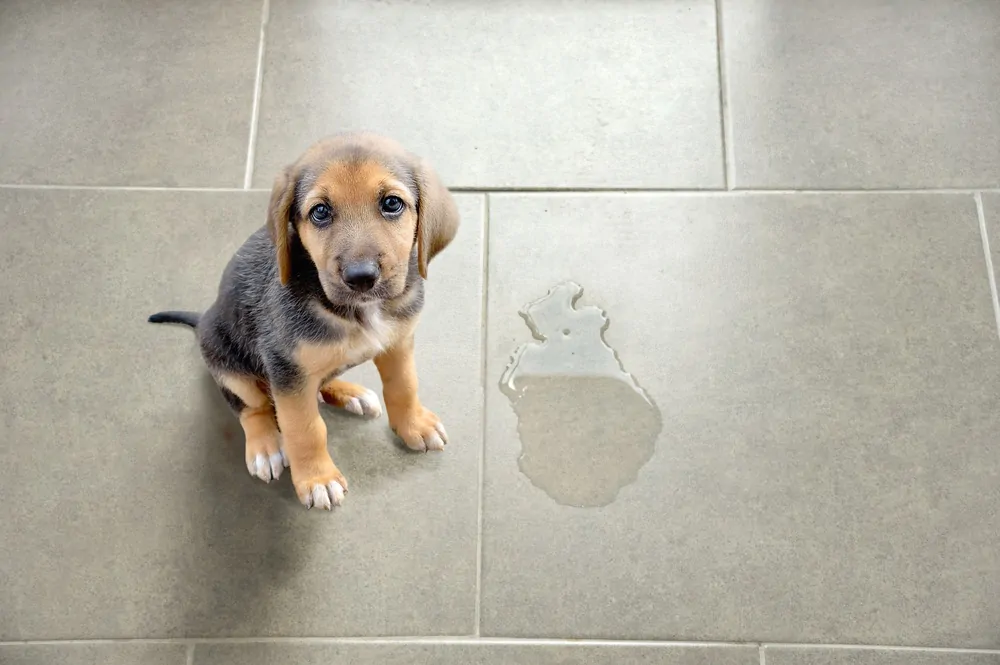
x: 360, y: 275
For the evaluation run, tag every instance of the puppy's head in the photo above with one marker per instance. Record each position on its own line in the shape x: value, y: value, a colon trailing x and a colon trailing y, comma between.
x: 360, y: 205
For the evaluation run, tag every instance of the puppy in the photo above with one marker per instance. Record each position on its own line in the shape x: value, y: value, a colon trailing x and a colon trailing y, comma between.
x: 334, y: 279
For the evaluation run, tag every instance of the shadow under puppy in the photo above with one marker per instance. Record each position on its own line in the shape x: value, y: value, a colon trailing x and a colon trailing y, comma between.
x: 335, y: 278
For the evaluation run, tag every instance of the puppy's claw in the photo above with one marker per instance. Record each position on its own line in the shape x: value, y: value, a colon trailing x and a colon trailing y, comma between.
x: 370, y: 405
x: 262, y: 467
x: 267, y: 467
x: 420, y: 430
x: 440, y: 430
x: 320, y: 498
x: 336, y: 492
x: 252, y: 466
x: 366, y: 404
x: 434, y: 442
x: 353, y: 405
x: 325, y: 496
x: 278, y: 464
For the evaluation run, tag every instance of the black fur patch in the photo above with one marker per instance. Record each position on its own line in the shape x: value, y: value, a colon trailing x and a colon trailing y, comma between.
x: 255, y: 323
x: 283, y: 374
x: 232, y: 399
x: 413, y: 306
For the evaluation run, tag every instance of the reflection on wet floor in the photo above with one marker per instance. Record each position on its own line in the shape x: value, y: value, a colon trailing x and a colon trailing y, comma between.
x: 585, y: 424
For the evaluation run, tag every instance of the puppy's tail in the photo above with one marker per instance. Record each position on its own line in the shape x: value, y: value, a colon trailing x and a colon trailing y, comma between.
x: 184, y: 318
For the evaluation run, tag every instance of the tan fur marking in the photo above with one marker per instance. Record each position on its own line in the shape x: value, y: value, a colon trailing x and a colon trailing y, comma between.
x: 414, y: 424
x: 399, y: 379
x: 354, y: 190
x: 305, y: 441
x: 261, y: 431
x: 260, y: 428
x: 359, y: 183
x: 259, y: 425
x: 337, y: 392
x: 278, y: 218
x: 246, y: 388
x: 318, y: 361
x: 438, y: 221
x: 359, y: 345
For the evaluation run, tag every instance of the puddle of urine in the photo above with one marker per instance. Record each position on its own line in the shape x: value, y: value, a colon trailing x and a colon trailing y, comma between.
x: 585, y: 424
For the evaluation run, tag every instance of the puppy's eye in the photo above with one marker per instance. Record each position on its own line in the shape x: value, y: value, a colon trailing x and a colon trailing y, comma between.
x: 321, y: 214
x: 392, y: 206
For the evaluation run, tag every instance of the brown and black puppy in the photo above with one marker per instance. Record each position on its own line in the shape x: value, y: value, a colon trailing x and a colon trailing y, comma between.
x: 333, y: 280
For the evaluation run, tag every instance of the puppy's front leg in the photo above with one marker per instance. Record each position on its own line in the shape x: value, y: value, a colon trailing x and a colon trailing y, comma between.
x: 317, y: 480
x: 419, y: 428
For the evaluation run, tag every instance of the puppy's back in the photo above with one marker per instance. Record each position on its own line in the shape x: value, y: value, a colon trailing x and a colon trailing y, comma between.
x: 230, y: 330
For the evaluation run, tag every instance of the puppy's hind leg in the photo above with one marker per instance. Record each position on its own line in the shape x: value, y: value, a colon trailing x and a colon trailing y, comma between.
x: 264, y: 457
x: 351, y: 397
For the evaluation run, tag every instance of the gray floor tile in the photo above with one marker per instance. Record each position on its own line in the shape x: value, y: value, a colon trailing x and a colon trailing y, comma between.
x: 128, y: 510
x: 847, y: 656
x: 93, y: 654
x: 894, y: 93
x: 105, y: 92
x: 825, y: 366
x: 525, y: 93
x: 463, y: 654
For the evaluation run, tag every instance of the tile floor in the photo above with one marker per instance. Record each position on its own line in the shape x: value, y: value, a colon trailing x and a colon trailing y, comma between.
x: 785, y: 209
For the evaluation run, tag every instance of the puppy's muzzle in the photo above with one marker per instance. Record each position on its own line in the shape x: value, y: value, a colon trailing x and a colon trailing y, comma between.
x: 360, y: 276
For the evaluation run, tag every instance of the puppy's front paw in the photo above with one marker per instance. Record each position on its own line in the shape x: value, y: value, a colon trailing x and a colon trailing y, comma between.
x: 351, y: 398
x: 420, y: 430
x: 264, y: 459
x: 324, y: 491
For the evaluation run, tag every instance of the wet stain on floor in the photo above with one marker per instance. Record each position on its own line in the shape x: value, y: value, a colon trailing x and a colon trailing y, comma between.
x: 586, y: 425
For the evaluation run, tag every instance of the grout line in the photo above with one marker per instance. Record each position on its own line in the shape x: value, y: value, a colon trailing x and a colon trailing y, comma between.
x: 860, y: 190
x: 878, y: 647
x: 728, y: 159
x: 192, y: 642
x: 457, y: 640
x: 123, y: 188
x: 607, y: 191
x: 573, y: 190
x: 991, y: 273
x: 760, y: 655
x: 190, y: 654
x: 258, y: 83
x: 484, y: 318
x: 710, y: 192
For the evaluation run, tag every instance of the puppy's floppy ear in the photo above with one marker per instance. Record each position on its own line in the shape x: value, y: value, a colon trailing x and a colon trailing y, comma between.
x: 278, y: 218
x: 437, y: 216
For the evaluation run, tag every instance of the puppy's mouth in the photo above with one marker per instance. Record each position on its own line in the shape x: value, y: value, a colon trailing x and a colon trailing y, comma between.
x: 354, y: 298
x: 341, y: 294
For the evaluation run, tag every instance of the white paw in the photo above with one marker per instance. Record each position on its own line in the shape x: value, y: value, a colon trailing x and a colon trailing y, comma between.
x: 267, y: 468
x: 433, y: 440
x: 365, y: 405
x: 325, y: 496
x: 437, y: 439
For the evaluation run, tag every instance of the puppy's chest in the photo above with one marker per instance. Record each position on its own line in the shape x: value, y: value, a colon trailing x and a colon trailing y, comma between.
x: 366, y: 339
x: 362, y: 340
